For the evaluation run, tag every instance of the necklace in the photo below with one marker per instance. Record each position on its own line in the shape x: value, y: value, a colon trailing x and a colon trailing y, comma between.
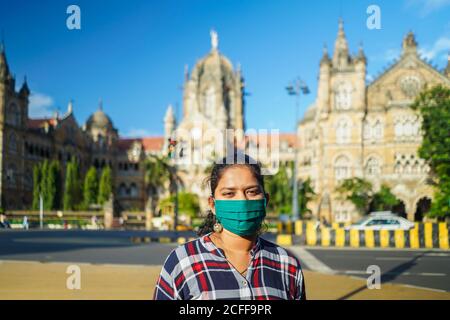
x: 242, y: 273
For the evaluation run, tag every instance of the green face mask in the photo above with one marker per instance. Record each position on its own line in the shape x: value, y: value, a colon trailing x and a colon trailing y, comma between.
x: 242, y: 217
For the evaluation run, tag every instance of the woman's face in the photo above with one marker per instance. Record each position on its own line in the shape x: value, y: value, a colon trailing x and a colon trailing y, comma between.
x: 237, y: 183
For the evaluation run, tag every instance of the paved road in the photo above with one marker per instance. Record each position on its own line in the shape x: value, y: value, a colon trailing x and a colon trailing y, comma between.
x: 424, y: 268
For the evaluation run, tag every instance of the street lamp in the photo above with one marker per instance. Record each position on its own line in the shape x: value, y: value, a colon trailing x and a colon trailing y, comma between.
x: 295, y: 88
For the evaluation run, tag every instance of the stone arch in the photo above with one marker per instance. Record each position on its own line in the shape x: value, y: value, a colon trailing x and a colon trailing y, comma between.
x: 422, y: 205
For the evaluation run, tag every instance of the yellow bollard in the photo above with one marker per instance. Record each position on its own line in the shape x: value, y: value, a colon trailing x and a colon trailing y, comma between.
x: 428, y: 235
x: 400, y: 239
x: 370, y: 239
x: 284, y: 239
x: 289, y: 227
x: 298, y: 227
x: 443, y: 235
x: 325, y: 237
x: 340, y: 237
x: 311, y: 235
x: 384, y: 238
x: 354, y: 238
x: 414, y: 238
x: 280, y: 227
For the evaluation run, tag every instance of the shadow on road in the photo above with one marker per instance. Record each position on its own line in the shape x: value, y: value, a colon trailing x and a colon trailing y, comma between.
x: 390, y: 275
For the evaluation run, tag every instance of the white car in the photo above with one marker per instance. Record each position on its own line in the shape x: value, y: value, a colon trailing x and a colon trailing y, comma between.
x: 383, y: 220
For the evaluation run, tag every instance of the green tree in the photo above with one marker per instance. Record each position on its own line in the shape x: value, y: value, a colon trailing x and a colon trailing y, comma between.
x: 434, y: 108
x: 383, y: 200
x: 90, y: 188
x: 306, y: 194
x: 51, y: 181
x: 159, y: 172
x: 358, y: 191
x: 105, y: 187
x: 71, y: 199
x: 188, y: 203
x: 280, y: 191
x: 44, y: 186
x: 36, y: 186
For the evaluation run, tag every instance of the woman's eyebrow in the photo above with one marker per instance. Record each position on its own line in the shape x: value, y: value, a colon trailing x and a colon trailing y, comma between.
x: 234, y: 188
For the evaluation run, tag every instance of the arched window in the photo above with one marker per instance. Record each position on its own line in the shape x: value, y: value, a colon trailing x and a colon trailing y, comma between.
x: 122, y: 190
x: 343, y: 96
x: 13, y: 114
x: 11, y: 175
x: 12, y: 143
x: 343, y: 131
x: 341, y: 168
x: 133, y: 190
x: 28, y: 178
x: 373, y: 167
x: 378, y: 130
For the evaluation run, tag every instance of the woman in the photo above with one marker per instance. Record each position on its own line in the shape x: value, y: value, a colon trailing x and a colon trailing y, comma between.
x: 230, y: 260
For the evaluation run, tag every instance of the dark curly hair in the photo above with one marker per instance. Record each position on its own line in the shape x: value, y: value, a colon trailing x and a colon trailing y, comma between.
x: 217, y: 173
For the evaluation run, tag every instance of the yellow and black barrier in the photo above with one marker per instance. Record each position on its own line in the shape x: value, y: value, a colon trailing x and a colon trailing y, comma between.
x: 423, y: 235
x: 299, y: 227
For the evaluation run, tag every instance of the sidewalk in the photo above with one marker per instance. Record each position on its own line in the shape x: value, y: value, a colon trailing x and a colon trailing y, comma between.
x: 36, y: 280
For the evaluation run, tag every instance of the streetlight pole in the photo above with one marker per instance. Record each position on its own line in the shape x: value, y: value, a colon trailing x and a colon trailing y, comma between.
x: 172, y: 155
x: 296, y: 88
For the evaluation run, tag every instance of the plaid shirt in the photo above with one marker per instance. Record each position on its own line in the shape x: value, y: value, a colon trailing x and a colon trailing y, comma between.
x: 199, y: 270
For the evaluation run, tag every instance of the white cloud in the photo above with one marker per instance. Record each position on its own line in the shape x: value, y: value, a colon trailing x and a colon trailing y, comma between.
x: 425, y: 7
x: 438, y: 50
x: 40, y: 105
x: 139, y: 132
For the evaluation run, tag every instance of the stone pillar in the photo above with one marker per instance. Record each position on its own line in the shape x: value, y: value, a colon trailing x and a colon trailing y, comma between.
x: 108, y: 209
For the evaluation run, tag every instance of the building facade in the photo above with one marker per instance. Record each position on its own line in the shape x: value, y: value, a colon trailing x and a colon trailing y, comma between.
x: 355, y: 129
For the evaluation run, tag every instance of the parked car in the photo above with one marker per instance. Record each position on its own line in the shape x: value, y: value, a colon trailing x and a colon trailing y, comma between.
x: 382, y: 220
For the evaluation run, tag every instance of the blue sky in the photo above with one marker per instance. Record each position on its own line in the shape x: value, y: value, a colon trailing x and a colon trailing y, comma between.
x: 131, y: 54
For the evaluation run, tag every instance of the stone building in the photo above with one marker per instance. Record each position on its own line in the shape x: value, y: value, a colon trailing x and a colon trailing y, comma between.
x: 355, y: 129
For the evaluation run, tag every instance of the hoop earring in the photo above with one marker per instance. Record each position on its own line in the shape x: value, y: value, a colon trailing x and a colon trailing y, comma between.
x: 218, y: 227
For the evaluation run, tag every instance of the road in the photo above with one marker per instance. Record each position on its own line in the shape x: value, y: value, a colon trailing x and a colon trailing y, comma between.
x: 423, y: 268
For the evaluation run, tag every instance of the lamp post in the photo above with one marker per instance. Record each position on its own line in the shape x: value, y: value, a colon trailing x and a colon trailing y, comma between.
x: 295, y: 88
x: 172, y: 155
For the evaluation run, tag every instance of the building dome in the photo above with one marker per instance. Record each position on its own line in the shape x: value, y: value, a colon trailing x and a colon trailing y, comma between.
x: 99, y: 119
x: 214, y: 66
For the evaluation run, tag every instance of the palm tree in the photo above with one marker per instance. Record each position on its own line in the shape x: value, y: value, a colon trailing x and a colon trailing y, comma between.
x: 159, y: 171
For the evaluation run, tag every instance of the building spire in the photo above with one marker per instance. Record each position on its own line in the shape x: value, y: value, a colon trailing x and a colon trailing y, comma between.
x: 100, y: 104
x: 4, y: 68
x: 409, y: 43
x: 340, y: 55
x: 325, y: 56
x: 70, y: 106
x: 24, y: 91
x: 214, y: 40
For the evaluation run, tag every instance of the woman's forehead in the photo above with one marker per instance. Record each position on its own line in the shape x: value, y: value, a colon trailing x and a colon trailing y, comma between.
x: 238, y: 176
